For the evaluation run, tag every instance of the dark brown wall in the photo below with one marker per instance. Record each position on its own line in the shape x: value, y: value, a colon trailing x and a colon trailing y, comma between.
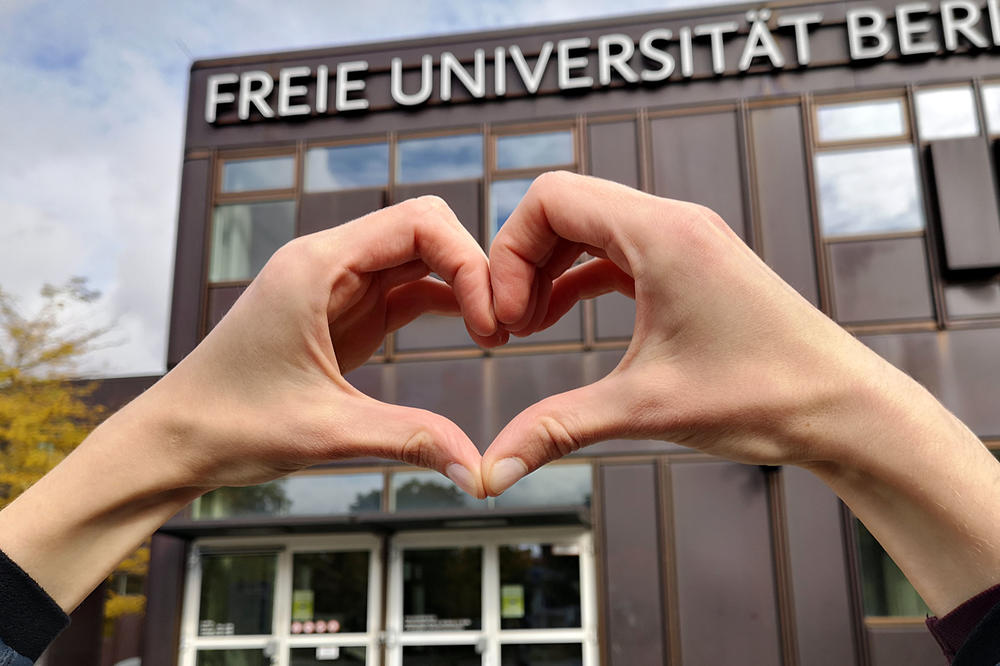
x: 164, y: 594
x: 189, y: 260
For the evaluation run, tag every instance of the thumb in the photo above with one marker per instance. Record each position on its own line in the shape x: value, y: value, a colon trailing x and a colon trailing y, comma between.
x: 414, y: 436
x: 553, y: 428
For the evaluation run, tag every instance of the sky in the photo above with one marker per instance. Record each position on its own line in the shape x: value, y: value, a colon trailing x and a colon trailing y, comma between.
x: 91, y: 130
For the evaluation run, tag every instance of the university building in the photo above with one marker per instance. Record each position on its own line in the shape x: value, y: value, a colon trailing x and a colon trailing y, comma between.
x: 850, y: 144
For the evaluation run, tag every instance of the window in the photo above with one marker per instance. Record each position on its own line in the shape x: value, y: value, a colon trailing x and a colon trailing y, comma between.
x: 254, y: 215
x: 946, y: 113
x: 991, y: 107
x: 534, y: 599
x: 299, y: 495
x: 298, y: 600
x: 425, y: 160
x: 519, y: 158
x: 871, y: 211
x: 347, y: 167
x: 268, y: 173
x: 244, y: 236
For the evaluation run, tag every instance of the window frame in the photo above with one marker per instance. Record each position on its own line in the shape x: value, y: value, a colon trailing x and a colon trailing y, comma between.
x: 280, y: 640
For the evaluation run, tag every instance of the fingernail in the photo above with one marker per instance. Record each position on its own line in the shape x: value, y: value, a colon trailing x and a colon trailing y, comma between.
x: 506, y: 473
x: 462, y: 478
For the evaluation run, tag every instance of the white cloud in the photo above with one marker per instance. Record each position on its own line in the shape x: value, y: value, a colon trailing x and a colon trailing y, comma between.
x: 91, y: 128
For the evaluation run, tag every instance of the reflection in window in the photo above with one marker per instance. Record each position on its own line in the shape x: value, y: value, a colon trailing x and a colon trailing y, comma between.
x: 539, y: 586
x: 860, y: 120
x: 327, y: 654
x: 519, y: 151
x: 504, y: 197
x: 416, y: 491
x: 236, y: 594
x: 232, y: 658
x: 330, y: 591
x: 440, y: 158
x: 884, y: 589
x: 552, y: 485
x: 346, y: 167
x: 244, y: 236
x: 268, y: 173
x: 946, y: 113
x: 441, y: 590
x: 542, y: 654
x: 304, y: 495
x: 991, y: 105
x: 868, y: 191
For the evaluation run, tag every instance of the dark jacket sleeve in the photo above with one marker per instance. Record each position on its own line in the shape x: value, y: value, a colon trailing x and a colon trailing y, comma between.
x: 970, y: 634
x: 29, y: 618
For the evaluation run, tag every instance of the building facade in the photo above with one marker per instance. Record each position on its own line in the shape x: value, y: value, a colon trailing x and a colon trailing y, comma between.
x: 850, y: 144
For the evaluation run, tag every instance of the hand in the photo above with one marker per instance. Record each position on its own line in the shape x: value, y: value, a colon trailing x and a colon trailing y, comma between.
x: 725, y: 357
x: 265, y: 392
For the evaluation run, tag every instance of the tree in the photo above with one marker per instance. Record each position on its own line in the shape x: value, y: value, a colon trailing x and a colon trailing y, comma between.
x: 45, y: 413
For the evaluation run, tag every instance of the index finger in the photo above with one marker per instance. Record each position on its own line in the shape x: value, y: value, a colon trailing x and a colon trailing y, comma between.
x: 561, y: 214
x: 423, y: 228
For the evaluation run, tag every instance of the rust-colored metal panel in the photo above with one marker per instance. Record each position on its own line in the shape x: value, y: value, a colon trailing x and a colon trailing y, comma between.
x: 453, y: 389
x: 220, y: 299
x: 967, y: 202
x: 698, y: 158
x: 633, y: 566
x: 820, y: 587
x: 463, y: 196
x: 881, y: 280
x: 164, y: 600
x: 189, y: 262
x: 786, y: 229
x: 614, y: 152
x: 323, y: 210
x: 960, y: 367
x: 614, y: 316
x: 517, y: 382
x: 903, y: 646
x: 725, y: 573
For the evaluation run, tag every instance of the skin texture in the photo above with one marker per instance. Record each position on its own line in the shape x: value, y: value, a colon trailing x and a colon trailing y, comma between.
x: 725, y: 357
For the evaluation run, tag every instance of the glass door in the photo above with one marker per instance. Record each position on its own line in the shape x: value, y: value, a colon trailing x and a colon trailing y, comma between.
x: 306, y: 601
x: 492, y: 598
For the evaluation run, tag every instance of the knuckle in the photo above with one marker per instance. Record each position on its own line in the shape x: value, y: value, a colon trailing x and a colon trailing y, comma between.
x: 560, y: 439
x: 417, y: 449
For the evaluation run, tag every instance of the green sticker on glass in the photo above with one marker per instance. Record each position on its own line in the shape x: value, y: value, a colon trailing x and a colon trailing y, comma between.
x: 511, y: 601
x: 302, y: 605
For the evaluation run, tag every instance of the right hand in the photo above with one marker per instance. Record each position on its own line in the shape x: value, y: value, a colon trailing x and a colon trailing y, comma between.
x: 725, y: 356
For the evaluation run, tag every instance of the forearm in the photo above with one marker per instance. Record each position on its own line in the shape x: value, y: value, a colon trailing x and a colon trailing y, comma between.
x: 923, y: 484
x: 70, y: 529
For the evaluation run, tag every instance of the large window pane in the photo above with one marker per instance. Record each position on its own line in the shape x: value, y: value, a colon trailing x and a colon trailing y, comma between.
x: 437, y: 655
x: 232, y: 658
x: 305, y: 495
x: 330, y: 592
x: 346, y: 167
x: 861, y: 120
x: 539, y: 586
x: 518, y: 151
x: 328, y: 655
x: 441, y: 589
x: 440, y: 158
x: 269, y: 173
x: 946, y: 113
x: 416, y: 491
x: 244, y: 236
x: 991, y: 105
x: 504, y: 197
x: 884, y: 589
x: 236, y: 594
x: 553, y: 485
x: 868, y: 191
x: 542, y: 654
